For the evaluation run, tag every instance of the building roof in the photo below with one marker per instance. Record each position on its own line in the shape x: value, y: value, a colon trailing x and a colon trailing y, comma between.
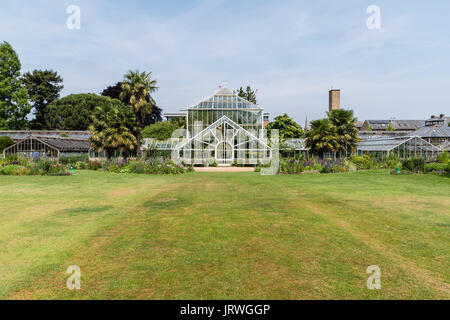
x: 294, y: 144
x: 60, y: 144
x: 22, y: 134
x: 224, y: 99
x: 359, y: 124
x: 396, y: 124
x: 66, y: 144
x: 433, y: 132
x: 388, y: 144
x: 162, y: 145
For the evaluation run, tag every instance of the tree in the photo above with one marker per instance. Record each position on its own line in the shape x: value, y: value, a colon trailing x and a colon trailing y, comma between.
x: 115, y: 91
x: 74, y: 111
x: 43, y: 87
x: 322, y: 137
x: 160, y: 130
x: 288, y: 128
x: 138, y: 87
x: 248, y: 94
x: 14, y: 106
x: 113, y: 128
x: 180, y: 122
x: 346, y: 130
x: 390, y: 127
x: 5, y: 142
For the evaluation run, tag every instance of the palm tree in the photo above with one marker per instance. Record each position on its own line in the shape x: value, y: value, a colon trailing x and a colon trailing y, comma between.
x: 113, y: 129
x: 322, y: 137
x: 137, y: 87
x: 347, y: 133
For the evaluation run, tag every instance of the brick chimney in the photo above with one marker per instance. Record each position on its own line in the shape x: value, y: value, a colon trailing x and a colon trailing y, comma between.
x: 335, y: 99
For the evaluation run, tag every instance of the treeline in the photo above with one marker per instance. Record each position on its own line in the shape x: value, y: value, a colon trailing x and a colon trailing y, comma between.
x: 32, y: 100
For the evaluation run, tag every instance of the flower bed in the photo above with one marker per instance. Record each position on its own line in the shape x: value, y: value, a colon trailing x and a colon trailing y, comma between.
x: 26, y: 167
x: 151, y: 166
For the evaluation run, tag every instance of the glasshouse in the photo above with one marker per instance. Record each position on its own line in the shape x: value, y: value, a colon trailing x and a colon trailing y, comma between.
x: 403, y: 147
x: 48, y: 147
x: 225, y: 129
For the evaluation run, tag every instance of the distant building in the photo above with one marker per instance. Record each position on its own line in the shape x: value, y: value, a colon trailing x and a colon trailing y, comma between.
x: 334, y: 99
x: 436, y: 131
x: 17, y: 135
x: 441, y: 121
x: 173, y: 116
x: 48, y: 146
x: 396, y: 125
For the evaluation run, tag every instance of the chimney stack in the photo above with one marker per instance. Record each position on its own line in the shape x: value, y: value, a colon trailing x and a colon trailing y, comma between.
x: 335, y: 99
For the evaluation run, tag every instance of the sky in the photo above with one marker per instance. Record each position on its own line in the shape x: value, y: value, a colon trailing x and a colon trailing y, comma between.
x: 293, y: 52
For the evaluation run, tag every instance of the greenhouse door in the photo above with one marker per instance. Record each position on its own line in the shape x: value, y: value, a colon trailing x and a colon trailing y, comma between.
x: 224, y: 153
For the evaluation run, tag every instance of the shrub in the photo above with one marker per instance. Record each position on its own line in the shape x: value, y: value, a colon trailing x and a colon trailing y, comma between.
x: 5, y: 142
x: 81, y: 165
x: 9, y: 169
x: 436, y: 167
x: 443, y: 157
x: 94, y: 165
x: 364, y: 162
x: 213, y: 164
x: 414, y: 164
x: 291, y: 166
x: 160, y: 130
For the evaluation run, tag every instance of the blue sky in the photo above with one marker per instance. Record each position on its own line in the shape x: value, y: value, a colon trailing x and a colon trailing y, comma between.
x: 292, y: 51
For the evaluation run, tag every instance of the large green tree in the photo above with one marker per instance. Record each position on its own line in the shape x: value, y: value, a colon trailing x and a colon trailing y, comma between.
x: 160, y: 130
x: 288, y: 128
x: 138, y: 86
x: 149, y: 119
x: 247, y: 94
x: 346, y: 131
x: 43, y: 87
x: 322, y: 137
x: 113, y: 128
x: 74, y: 112
x: 14, y: 106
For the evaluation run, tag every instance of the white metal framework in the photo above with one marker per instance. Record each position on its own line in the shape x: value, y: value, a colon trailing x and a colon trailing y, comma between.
x: 225, y: 103
x: 224, y: 142
x: 403, y: 147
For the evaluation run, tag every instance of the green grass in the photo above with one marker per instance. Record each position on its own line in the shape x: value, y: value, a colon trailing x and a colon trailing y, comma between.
x: 225, y: 236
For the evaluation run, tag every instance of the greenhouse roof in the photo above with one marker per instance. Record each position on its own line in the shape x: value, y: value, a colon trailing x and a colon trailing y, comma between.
x: 295, y: 144
x: 161, y: 145
x: 433, y: 132
x: 224, y: 99
x: 388, y: 144
x: 65, y: 144
x: 58, y: 143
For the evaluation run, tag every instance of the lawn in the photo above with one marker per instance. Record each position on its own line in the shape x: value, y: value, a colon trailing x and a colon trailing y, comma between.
x: 225, y: 236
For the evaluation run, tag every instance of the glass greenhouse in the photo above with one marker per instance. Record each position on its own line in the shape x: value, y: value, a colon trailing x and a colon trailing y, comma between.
x: 403, y: 147
x: 224, y: 129
x: 224, y: 103
x: 48, y: 147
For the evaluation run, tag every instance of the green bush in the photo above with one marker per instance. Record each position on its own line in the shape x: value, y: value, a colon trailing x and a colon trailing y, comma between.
x: 414, y: 164
x: 10, y: 169
x: 73, y: 159
x: 443, y: 157
x: 5, y: 142
x: 365, y: 162
x: 436, y: 167
x: 160, y: 130
x: 213, y: 164
x: 291, y: 166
